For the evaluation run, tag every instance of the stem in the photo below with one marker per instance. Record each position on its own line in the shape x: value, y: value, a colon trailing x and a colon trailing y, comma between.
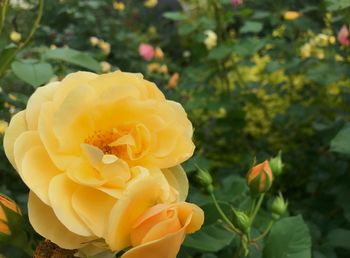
x: 257, y: 208
x: 223, y: 215
x: 35, y: 24
x: 266, y: 231
x: 4, y: 6
x: 30, y: 35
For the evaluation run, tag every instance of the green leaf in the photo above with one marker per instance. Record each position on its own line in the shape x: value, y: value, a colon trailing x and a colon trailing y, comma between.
x: 251, y: 27
x: 289, y: 237
x: 6, y: 56
x: 174, y: 16
x: 340, y: 142
x: 220, y: 52
x: 336, y: 5
x: 209, y: 239
x: 339, y: 238
x: 73, y: 57
x: 35, y: 74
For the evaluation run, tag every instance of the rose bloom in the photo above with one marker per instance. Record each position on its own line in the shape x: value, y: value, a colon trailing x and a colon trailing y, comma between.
x: 97, y: 151
x: 146, y: 51
x: 343, y: 36
x: 236, y: 3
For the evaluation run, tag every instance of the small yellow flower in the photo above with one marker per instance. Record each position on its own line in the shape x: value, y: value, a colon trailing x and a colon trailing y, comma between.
x: 15, y: 36
x: 163, y: 69
x: 105, y: 47
x: 3, y: 126
x: 150, y: 3
x: 119, y: 6
x: 338, y: 58
x: 332, y: 40
x: 158, y: 53
x: 53, y: 46
x: 105, y: 67
x: 211, y: 40
x: 291, y: 15
x: 153, y: 67
x: 94, y: 41
x: 305, y: 50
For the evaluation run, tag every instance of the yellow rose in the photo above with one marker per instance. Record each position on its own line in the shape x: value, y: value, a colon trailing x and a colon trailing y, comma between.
x: 159, y: 232
x: 291, y: 15
x: 84, y: 145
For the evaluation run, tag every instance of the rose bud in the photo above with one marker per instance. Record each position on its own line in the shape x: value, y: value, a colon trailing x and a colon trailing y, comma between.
x: 278, y: 207
x: 260, y: 178
x: 7, y: 207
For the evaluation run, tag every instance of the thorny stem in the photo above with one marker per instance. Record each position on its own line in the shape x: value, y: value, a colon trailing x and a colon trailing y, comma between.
x: 264, y: 233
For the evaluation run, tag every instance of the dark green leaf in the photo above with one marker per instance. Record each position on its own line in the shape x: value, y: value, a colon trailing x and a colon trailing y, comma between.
x: 339, y: 238
x: 290, y: 238
x: 209, y: 239
x: 6, y: 56
x: 35, y: 74
x: 175, y: 16
x: 341, y: 142
x: 251, y: 27
x: 73, y: 57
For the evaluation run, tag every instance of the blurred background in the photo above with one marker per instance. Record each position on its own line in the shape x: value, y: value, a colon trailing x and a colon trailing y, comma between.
x: 255, y: 77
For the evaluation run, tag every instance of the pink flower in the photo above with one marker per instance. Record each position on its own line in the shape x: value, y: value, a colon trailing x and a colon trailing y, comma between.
x: 236, y: 3
x: 146, y: 51
x: 343, y: 36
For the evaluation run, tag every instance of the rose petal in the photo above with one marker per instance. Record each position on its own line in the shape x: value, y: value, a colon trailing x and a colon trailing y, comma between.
x: 17, y: 126
x: 61, y: 190
x: 177, y: 178
x: 44, y: 221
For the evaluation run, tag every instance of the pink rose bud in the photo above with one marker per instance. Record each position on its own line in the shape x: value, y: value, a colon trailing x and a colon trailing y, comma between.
x: 146, y: 51
x: 343, y: 36
x: 236, y: 3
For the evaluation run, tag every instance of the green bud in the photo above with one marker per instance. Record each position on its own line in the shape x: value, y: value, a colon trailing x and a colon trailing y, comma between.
x: 278, y: 206
x: 242, y: 221
x: 205, y: 179
x: 276, y: 164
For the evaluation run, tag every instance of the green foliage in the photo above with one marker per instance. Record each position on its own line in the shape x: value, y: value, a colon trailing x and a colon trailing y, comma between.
x: 289, y: 237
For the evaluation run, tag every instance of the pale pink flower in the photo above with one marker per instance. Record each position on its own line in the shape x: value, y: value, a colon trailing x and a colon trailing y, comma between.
x: 236, y: 3
x: 146, y: 51
x: 343, y: 36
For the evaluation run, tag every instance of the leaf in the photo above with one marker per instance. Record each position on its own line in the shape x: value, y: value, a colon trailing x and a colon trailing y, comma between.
x: 35, y: 74
x: 73, y: 56
x: 220, y: 52
x: 174, y: 16
x: 251, y: 27
x: 289, y: 237
x: 209, y: 239
x: 6, y: 56
x: 336, y: 5
x: 339, y: 238
x: 340, y: 142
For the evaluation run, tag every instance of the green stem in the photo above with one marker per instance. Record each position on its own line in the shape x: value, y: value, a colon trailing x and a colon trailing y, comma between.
x: 257, y: 208
x: 223, y: 215
x: 266, y: 231
x: 4, y: 7
x: 29, y: 37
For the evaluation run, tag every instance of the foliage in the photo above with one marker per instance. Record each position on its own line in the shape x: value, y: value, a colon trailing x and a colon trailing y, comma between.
x: 270, y: 83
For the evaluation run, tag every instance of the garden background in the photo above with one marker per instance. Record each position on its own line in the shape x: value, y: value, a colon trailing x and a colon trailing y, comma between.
x: 257, y: 78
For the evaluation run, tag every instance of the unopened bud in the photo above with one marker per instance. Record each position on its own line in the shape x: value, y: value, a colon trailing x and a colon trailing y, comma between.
x: 15, y: 36
x: 7, y: 208
x: 205, y: 179
x: 278, y: 206
x: 276, y: 164
x: 259, y: 178
x: 242, y: 221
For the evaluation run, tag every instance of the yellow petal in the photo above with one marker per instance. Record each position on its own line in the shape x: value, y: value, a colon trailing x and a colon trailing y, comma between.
x: 177, y: 178
x: 23, y: 144
x: 168, y: 246
x: 44, y: 221
x: 61, y: 190
x: 40, y: 96
x: 141, y: 195
x: 94, y: 207
x: 17, y: 126
x: 37, y: 171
